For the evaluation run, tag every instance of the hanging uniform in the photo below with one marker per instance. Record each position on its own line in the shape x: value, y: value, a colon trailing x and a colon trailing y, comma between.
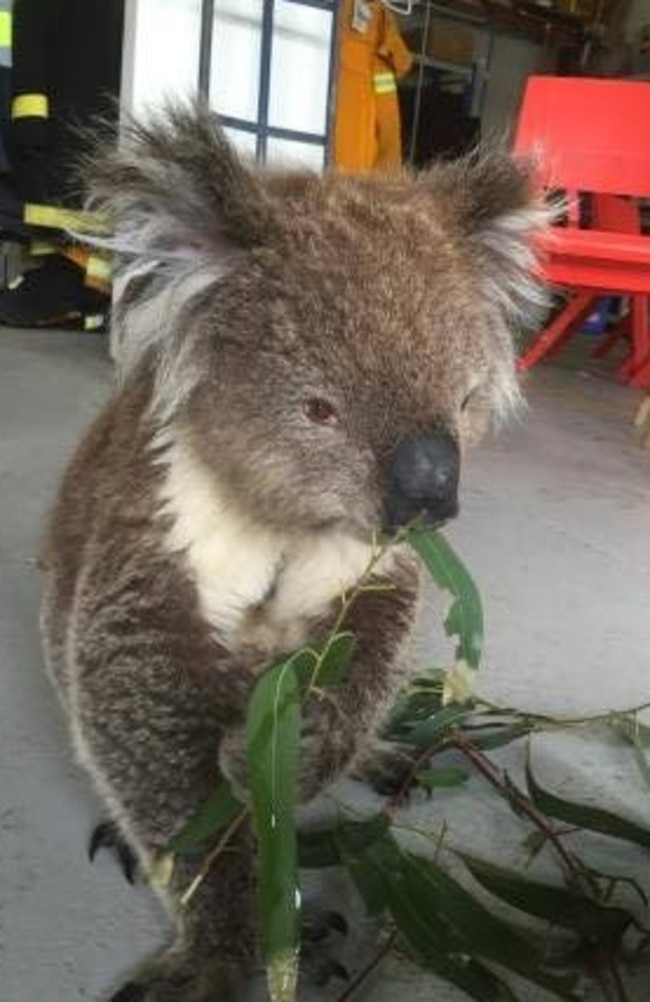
x: 66, y: 68
x: 372, y: 55
x: 5, y: 81
x: 65, y: 73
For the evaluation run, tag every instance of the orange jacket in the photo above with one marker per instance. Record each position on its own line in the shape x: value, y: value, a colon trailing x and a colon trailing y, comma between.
x: 372, y: 54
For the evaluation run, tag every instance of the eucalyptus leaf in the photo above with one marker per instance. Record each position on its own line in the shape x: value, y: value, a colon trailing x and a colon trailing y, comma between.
x: 484, y: 934
x: 551, y: 903
x: 413, y: 707
x: 318, y: 849
x: 640, y: 744
x: 428, y: 937
x: 435, y: 728
x: 585, y: 816
x: 432, y: 779
x: 369, y: 882
x: 533, y: 844
x: 465, y: 617
x: 211, y: 817
x: 489, y: 738
x: 321, y: 847
x: 273, y: 740
x: 631, y: 728
x: 335, y: 659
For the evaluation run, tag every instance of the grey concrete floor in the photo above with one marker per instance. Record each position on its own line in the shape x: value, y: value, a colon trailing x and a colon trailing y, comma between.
x: 556, y: 529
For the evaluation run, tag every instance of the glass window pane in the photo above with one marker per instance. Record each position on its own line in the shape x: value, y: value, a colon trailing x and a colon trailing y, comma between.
x: 300, y: 63
x: 291, y: 153
x: 165, y: 51
x: 236, y: 54
x: 244, y: 142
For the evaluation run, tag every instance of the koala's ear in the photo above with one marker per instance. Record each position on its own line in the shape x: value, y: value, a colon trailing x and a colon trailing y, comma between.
x: 491, y: 202
x: 174, y: 188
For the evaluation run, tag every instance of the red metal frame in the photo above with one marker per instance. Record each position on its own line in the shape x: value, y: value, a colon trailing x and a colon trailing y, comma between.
x: 588, y: 136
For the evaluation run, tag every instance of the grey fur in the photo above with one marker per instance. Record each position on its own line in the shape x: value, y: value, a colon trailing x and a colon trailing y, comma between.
x: 205, y: 525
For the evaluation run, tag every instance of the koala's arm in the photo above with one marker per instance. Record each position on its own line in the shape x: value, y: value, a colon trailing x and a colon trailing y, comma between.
x: 340, y: 722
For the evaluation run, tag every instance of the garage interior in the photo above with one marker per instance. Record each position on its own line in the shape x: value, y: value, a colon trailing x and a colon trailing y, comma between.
x: 554, y: 525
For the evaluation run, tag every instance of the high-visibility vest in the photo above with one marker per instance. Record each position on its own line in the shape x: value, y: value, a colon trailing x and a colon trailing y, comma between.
x: 5, y: 32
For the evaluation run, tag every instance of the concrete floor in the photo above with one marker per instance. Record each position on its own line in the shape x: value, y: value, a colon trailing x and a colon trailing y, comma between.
x: 556, y: 529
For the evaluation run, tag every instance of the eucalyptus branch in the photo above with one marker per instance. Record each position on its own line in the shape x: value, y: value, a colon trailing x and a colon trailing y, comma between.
x: 619, y: 987
x: 546, y: 720
x: 519, y: 803
x: 210, y: 859
x: 350, y: 596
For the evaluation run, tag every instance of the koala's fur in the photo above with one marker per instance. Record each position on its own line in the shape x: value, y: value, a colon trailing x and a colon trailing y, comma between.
x: 205, y: 525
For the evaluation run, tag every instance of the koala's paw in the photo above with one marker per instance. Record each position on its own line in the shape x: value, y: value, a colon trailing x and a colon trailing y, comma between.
x: 107, y: 836
x: 387, y: 767
x: 175, y: 979
x: 322, y: 935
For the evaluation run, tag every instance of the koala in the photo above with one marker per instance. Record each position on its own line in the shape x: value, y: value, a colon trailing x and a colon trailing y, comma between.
x: 302, y: 362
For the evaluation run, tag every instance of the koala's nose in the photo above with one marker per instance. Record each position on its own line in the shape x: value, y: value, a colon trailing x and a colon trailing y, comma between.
x: 423, y: 480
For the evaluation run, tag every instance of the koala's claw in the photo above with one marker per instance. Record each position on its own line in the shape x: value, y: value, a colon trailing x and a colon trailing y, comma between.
x: 131, y: 992
x: 107, y: 836
x: 327, y: 971
x: 322, y: 932
x: 318, y: 926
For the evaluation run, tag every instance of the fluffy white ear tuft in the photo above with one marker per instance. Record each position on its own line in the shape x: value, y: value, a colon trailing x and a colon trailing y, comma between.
x: 492, y: 200
x: 174, y: 188
x: 184, y: 208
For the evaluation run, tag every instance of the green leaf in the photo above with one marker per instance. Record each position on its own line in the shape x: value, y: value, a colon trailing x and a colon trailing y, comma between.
x: 432, y: 779
x: 631, y: 728
x: 553, y: 904
x: 273, y: 749
x: 583, y: 816
x: 318, y: 849
x: 430, y: 731
x: 639, y: 740
x: 354, y: 840
x: 321, y: 847
x: 465, y: 617
x: 335, y: 659
x: 433, y: 943
x: 489, y: 738
x: 483, y: 933
x: 533, y: 844
x: 210, y: 818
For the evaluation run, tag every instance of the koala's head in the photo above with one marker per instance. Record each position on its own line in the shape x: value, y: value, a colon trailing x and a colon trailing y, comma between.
x: 327, y: 346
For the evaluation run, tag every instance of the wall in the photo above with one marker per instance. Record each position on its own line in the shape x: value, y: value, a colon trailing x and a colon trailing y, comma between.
x: 638, y: 15
x: 503, y: 62
x: 513, y: 60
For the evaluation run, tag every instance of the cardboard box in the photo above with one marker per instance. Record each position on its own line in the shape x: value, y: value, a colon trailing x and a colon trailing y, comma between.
x: 451, y: 44
x: 585, y: 9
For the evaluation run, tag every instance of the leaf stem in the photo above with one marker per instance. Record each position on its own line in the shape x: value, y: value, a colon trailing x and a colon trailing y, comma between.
x: 234, y: 826
x: 608, y: 717
x: 519, y: 803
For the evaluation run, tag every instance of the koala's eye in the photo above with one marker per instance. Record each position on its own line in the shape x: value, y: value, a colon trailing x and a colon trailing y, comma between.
x: 318, y: 410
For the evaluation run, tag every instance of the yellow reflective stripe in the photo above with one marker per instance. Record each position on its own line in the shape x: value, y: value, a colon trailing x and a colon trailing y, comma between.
x: 65, y: 219
x: 5, y: 29
x: 94, y: 321
x: 40, y: 247
x: 98, y: 267
x: 384, y: 83
x: 30, y: 106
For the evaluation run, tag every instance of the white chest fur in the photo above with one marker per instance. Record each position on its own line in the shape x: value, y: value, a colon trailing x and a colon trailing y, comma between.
x: 247, y: 574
